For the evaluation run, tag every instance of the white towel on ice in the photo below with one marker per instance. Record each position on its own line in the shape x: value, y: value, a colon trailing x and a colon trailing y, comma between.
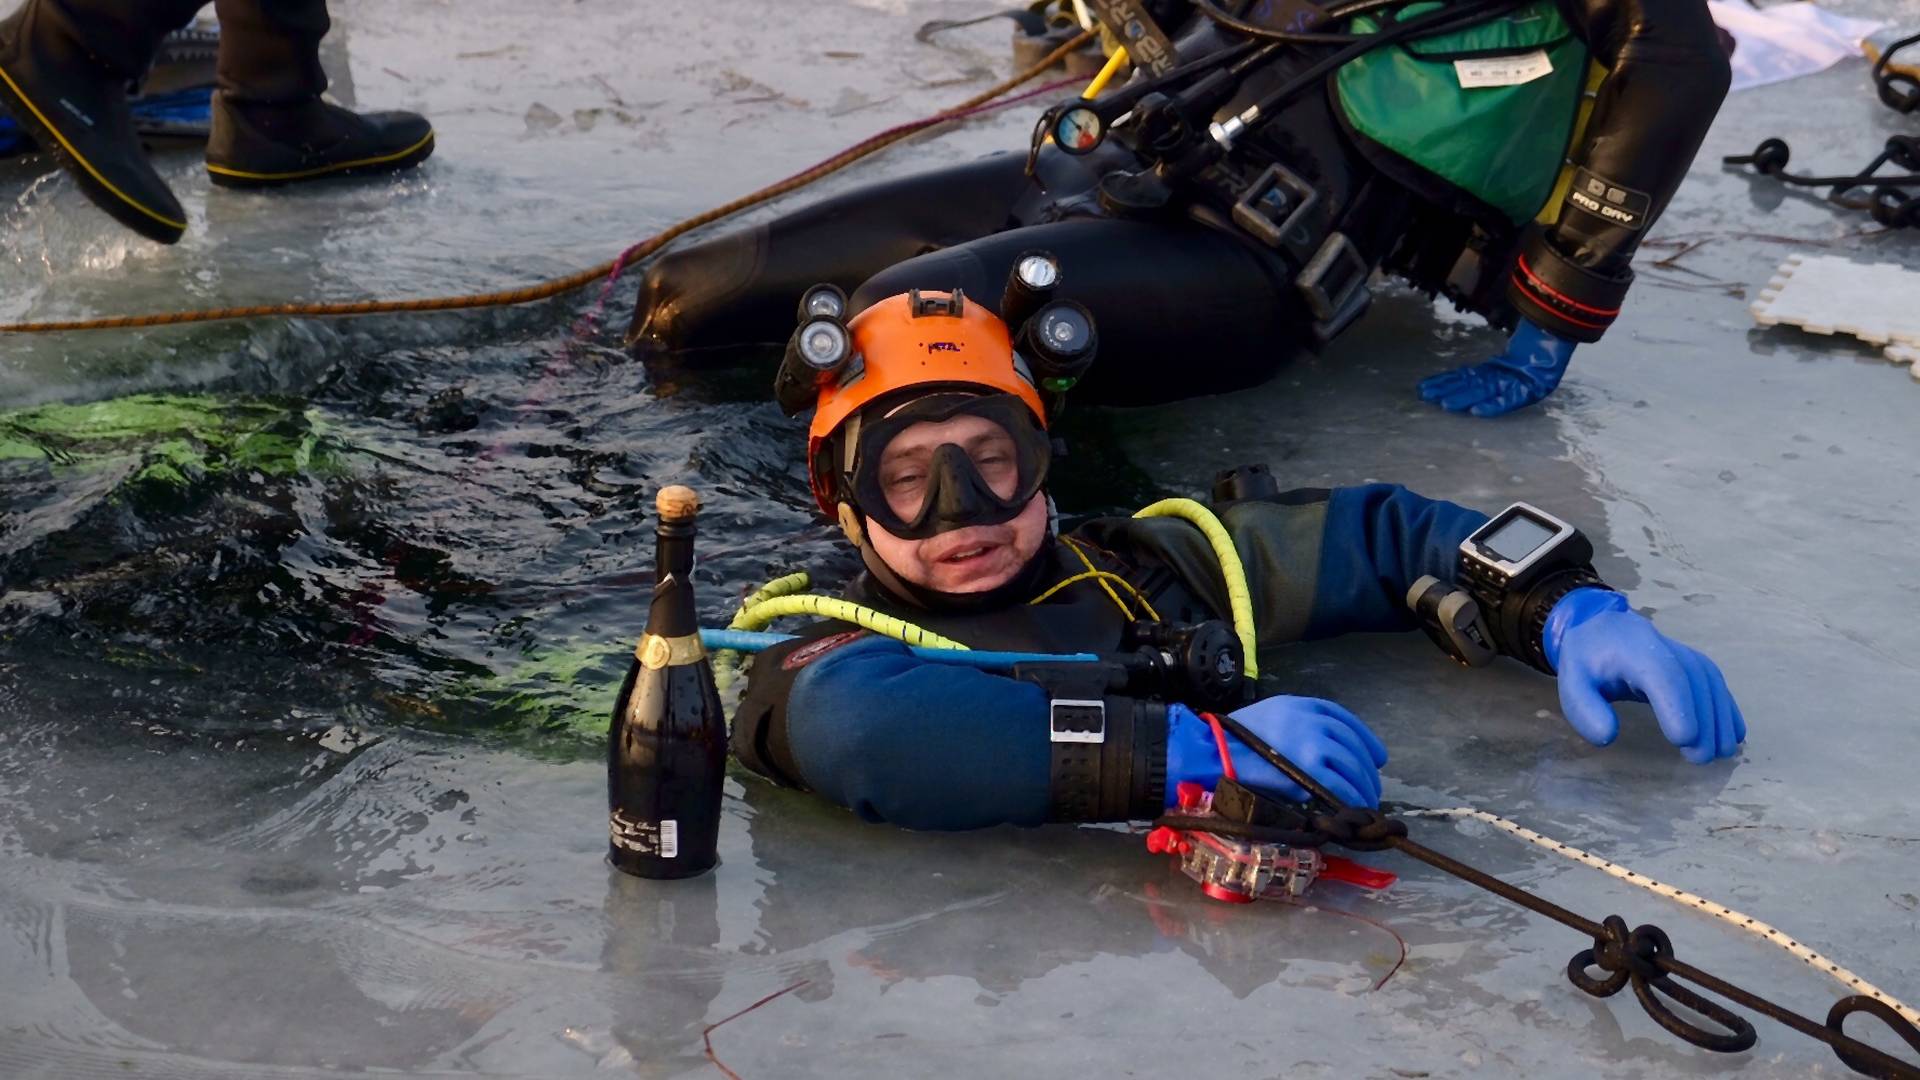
x: 1785, y: 41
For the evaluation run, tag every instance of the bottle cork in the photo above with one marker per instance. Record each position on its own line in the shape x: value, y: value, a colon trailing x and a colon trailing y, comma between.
x: 677, y: 503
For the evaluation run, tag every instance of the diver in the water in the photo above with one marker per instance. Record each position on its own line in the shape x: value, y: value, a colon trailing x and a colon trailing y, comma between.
x: 65, y: 66
x: 929, y: 444
x: 1510, y: 154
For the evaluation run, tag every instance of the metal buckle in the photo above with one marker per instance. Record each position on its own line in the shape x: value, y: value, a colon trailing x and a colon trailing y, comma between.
x: 1282, y: 211
x: 1334, y: 285
x: 1079, y: 720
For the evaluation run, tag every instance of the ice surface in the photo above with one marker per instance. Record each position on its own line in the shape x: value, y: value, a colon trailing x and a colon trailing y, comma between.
x: 282, y: 791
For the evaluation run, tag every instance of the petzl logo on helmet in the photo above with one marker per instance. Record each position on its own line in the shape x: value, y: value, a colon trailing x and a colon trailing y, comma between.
x: 943, y: 346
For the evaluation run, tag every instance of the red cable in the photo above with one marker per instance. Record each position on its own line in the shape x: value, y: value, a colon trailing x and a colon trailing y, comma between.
x: 706, y: 1036
x: 1343, y: 913
x: 1220, y: 740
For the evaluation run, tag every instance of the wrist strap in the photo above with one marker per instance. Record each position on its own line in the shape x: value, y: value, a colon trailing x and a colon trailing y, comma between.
x: 1563, y: 298
x: 1107, y: 754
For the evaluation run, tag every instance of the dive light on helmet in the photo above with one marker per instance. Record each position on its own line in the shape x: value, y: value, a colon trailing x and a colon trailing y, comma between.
x: 1059, y: 343
x: 1035, y: 275
x: 822, y: 345
x: 818, y: 350
x: 822, y: 302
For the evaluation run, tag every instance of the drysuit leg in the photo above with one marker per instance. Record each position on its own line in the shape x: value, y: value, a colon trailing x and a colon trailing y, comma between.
x: 740, y: 289
x: 122, y: 34
x: 270, y: 50
x: 1181, y: 309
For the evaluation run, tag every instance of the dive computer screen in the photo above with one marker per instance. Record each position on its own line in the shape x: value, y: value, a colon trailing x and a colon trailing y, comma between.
x: 1518, y: 538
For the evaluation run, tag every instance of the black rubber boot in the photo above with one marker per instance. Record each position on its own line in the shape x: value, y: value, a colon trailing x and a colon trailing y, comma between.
x: 76, y: 106
x: 259, y: 145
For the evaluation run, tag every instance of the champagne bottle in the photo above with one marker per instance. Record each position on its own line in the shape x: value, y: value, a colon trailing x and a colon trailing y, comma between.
x: 667, y: 749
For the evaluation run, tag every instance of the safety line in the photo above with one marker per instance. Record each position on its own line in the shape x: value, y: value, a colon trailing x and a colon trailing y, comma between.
x: 1700, y: 903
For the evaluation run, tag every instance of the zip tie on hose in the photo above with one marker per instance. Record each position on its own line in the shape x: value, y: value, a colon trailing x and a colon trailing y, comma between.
x: 1719, y: 911
x: 832, y: 607
x: 611, y: 270
x: 1239, y: 600
x: 726, y: 661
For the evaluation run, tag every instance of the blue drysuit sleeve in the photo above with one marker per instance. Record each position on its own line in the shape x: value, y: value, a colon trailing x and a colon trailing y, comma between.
x: 1379, y: 539
x: 928, y: 746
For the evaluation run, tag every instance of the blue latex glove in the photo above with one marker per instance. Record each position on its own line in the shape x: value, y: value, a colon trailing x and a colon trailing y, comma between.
x: 1526, y: 372
x: 1605, y: 652
x: 1325, y: 740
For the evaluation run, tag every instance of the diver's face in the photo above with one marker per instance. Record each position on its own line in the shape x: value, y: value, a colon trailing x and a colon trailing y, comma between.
x: 971, y: 559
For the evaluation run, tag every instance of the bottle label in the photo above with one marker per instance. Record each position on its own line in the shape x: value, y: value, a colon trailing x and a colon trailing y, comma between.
x: 660, y: 839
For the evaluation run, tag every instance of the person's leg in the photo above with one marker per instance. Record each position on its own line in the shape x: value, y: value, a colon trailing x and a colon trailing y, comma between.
x: 741, y: 289
x: 122, y: 34
x: 1181, y: 309
x: 270, y: 126
x: 64, y: 69
x: 270, y: 50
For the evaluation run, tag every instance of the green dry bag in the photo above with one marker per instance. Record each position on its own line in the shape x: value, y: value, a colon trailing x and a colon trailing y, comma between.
x: 1488, y: 108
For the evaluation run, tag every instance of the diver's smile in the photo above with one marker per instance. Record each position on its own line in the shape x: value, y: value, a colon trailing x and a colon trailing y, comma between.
x: 971, y: 553
x: 969, y: 546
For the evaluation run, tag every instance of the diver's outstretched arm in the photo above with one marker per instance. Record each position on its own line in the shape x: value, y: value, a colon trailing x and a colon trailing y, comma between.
x: 1667, y: 74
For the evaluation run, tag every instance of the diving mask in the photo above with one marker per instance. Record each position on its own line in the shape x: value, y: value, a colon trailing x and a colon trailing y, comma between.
x: 947, y: 461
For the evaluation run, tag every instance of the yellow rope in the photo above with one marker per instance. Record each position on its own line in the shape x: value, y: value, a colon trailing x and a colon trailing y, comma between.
x: 1698, y: 903
x: 1094, y: 573
x: 1088, y: 563
x: 1239, y: 599
x: 832, y: 607
x: 1102, y: 576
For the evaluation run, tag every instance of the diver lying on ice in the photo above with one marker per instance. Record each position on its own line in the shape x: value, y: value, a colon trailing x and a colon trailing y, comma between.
x: 1509, y: 154
x: 929, y: 445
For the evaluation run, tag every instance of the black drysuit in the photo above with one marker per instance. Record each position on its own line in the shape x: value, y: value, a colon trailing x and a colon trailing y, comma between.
x: 1187, y: 287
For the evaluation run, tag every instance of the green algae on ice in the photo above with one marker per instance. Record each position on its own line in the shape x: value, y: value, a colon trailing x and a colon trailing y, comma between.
x: 171, y: 440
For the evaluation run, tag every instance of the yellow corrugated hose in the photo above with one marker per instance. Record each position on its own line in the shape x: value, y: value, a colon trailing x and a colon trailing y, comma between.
x: 1239, y: 599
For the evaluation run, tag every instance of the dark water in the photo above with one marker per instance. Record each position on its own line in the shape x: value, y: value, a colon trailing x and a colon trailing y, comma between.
x: 453, y: 537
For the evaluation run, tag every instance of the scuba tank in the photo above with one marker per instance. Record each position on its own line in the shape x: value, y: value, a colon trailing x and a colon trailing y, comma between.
x: 667, y: 747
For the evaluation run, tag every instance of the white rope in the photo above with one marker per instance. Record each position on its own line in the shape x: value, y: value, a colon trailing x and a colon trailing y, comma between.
x: 1700, y: 903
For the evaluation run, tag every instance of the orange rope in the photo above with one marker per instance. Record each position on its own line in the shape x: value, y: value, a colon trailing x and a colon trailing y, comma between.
x: 557, y: 286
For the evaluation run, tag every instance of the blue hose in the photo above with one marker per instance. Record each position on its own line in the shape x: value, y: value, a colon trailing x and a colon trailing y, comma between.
x: 749, y: 641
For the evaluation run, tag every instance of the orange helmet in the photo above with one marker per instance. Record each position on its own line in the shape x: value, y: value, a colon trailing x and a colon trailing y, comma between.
x: 918, y: 340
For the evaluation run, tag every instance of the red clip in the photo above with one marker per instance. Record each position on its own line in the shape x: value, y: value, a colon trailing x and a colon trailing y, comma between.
x: 1163, y: 841
x: 1189, y: 795
x: 1353, y: 873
